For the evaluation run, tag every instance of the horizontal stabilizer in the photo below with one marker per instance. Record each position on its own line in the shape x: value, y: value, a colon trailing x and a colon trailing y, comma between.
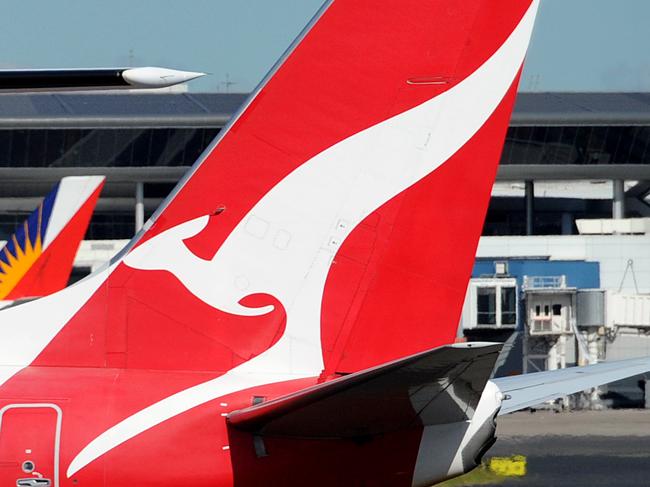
x: 442, y: 385
x: 528, y: 390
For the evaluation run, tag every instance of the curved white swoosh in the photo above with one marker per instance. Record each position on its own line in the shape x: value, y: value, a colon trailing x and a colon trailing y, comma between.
x: 285, y: 245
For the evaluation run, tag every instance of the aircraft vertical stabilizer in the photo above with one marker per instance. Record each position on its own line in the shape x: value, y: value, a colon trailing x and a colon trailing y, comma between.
x: 37, y: 259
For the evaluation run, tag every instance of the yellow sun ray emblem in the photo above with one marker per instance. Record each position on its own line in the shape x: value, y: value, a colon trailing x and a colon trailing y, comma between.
x: 14, y: 267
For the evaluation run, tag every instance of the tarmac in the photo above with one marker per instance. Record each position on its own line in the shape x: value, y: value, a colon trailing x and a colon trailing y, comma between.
x: 577, y: 449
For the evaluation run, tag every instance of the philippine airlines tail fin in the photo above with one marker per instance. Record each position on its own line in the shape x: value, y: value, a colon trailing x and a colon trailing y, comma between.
x: 523, y: 391
x: 37, y: 259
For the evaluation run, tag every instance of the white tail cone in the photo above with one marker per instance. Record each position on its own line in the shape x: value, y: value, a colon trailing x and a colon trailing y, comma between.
x: 452, y: 449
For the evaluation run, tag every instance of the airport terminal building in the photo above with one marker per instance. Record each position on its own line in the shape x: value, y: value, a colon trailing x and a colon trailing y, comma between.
x: 563, y: 267
x: 151, y: 140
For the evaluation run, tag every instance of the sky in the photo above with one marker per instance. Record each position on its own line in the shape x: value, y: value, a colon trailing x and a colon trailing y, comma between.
x: 577, y: 45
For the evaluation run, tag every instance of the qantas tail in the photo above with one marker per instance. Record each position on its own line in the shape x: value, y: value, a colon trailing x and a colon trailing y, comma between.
x: 37, y: 259
x: 340, y: 211
x: 332, y: 226
x: 335, y: 220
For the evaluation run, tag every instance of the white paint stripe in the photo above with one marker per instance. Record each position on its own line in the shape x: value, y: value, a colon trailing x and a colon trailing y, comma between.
x: 26, y: 330
x: 73, y: 192
x: 323, y: 200
x: 7, y: 372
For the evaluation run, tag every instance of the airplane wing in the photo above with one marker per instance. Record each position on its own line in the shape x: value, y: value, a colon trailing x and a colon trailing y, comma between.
x: 30, y: 80
x: 439, y: 386
x: 37, y: 259
x: 528, y: 390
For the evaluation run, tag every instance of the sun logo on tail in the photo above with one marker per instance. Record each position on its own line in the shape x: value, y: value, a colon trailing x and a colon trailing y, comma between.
x: 19, y: 254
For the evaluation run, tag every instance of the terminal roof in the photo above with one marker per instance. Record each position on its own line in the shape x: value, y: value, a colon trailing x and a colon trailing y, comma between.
x: 100, y: 110
x: 123, y: 110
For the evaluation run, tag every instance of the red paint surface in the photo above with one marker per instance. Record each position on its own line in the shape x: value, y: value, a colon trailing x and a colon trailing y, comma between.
x: 398, y: 284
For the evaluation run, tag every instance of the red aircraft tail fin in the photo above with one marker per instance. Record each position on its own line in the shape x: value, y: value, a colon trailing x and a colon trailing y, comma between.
x: 332, y: 225
x: 342, y: 207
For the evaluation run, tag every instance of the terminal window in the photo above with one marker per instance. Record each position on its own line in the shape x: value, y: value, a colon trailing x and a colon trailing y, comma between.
x: 486, y: 306
x: 493, y: 303
x: 508, y: 305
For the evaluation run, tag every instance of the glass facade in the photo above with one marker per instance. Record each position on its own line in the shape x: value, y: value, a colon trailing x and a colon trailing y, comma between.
x: 507, y: 215
x: 9, y: 222
x: 562, y: 145
x: 486, y: 306
x: 165, y: 147
x: 133, y: 147
x: 508, y: 305
x: 111, y: 225
x: 577, y: 145
x: 104, y: 225
x: 140, y: 147
x: 103, y: 147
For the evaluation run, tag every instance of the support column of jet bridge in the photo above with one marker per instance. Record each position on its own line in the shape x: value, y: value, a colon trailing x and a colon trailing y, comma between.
x: 549, y: 305
x: 618, y: 199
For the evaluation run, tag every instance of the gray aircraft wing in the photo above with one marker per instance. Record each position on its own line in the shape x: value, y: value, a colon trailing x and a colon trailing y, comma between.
x: 522, y: 391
